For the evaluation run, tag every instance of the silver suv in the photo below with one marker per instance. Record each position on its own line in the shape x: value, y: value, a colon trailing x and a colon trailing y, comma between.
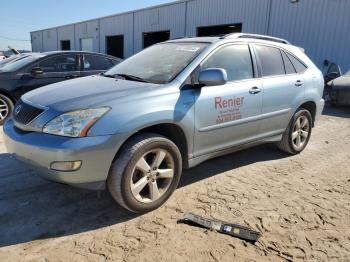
x: 171, y: 106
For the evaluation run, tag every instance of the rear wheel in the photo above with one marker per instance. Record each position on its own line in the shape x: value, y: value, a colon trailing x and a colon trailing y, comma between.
x: 145, y: 173
x: 6, y: 108
x: 297, y: 135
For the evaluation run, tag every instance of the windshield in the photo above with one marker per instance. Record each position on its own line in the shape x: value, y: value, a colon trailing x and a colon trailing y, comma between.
x: 160, y: 63
x: 18, y: 64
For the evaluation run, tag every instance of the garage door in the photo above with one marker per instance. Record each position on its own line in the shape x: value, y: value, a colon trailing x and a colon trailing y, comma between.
x: 87, y: 44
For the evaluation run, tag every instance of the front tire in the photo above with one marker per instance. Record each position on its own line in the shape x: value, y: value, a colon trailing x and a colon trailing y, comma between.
x: 6, y: 108
x: 298, y: 133
x: 145, y: 173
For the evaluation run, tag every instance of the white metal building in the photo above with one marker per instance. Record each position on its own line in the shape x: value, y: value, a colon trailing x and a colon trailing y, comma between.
x: 321, y: 27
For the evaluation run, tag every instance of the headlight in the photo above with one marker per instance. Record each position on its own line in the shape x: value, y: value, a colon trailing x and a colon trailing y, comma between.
x: 76, y: 123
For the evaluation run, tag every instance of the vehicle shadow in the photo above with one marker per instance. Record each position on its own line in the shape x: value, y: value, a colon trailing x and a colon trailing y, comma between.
x: 342, y: 111
x: 32, y: 208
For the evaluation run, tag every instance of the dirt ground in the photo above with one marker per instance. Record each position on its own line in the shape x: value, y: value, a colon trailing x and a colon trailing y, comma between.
x: 301, y: 204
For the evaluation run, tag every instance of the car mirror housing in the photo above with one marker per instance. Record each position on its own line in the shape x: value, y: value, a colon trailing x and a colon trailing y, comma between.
x: 213, y: 77
x: 36, y: 71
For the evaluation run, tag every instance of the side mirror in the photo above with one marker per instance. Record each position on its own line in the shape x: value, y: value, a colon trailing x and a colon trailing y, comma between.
x: 213, y: 77
x: 36, y: 71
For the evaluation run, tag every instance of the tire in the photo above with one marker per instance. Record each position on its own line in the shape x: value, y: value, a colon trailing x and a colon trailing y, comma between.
x: 293, y: 134
x: 6, y: 108
x: 130, y: 181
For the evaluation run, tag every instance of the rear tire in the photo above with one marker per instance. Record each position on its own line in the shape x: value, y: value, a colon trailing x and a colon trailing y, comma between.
x: 6, y: 108
x: 145, y: 173
x: 297, y: 135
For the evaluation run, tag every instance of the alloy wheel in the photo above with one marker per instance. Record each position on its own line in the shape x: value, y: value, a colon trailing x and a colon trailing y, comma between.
x: 4, y: 109
x: 152, y: 175
x: 301, y: 131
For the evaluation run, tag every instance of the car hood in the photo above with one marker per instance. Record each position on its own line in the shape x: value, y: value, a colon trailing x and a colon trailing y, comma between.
x: 342, y: 82
x: 87, y: 92
x: 4, y: 74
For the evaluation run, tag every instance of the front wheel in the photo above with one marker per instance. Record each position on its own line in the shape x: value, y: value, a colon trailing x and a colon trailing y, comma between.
x: 297, y: 135
x: 6, y: 108
x: 145, y: 173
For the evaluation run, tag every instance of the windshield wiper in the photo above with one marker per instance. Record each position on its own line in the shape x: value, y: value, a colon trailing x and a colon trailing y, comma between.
x: 110, y: 76
x: 129, y: 77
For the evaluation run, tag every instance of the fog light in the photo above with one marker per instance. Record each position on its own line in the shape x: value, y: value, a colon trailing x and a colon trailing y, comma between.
x: 66, y: 166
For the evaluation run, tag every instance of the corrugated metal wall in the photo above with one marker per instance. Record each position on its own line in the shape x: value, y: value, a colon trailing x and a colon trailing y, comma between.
x: 66, y: 33
x: 50, y: 40
x: 171, y: 17
x: 322, y: 27
x: 251, y: 13
x: 37, y: 41
x: 118, y: 25
x: 88, y: 29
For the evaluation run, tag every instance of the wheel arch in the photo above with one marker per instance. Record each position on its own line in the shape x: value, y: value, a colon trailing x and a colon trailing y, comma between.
x: 169, y: 130
x: 8, y: 94
x: 311, y: 107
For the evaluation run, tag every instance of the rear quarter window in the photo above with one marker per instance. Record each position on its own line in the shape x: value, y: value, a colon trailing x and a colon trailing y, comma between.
x: 288, y: 64
x: 299, y: 66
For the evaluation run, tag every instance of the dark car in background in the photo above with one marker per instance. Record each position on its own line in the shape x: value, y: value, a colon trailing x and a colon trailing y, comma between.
x: 337, y: 85
x: 41, y: 69
x: 339, y: 90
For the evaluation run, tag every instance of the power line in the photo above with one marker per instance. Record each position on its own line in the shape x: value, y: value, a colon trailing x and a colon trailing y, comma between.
x: 14, y: 39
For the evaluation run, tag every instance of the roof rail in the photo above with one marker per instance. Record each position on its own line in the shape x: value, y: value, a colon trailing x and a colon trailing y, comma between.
x: 254, y: 36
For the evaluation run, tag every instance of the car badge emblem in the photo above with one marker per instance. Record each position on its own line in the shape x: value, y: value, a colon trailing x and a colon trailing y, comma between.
x: 18, y: 109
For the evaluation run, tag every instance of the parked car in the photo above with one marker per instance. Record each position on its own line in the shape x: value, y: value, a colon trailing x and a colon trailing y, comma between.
x: 14, y: 58
x: 339, y: 90
x: 2, y: 56
x: 337, y: 85
x: 30, y: 71
x: 171, y: 106
x: 8, y: 53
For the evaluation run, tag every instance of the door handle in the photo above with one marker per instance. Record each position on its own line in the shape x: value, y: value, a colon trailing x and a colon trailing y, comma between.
x: 254, y: 90
x: 299, y: 83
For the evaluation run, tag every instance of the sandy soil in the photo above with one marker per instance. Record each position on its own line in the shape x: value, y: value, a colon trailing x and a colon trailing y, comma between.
x: 301, y: 205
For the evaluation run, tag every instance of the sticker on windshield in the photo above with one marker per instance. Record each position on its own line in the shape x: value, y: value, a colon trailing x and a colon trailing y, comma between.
x: 188, y: 48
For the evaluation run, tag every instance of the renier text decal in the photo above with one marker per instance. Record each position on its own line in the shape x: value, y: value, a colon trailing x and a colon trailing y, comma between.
x: 229, y: 109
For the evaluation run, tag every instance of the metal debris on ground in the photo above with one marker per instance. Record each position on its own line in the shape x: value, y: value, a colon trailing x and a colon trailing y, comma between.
x: 234, y: 230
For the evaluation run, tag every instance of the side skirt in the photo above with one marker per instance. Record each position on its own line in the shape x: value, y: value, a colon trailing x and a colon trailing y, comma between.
x: 200, y: 159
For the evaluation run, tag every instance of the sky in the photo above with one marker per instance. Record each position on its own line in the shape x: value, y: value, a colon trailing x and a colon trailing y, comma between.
x: 20, y: 17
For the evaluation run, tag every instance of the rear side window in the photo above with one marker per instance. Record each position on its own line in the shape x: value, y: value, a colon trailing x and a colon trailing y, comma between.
x: 93, y: 62
x: 60, y: 63
x: 270, y: 60
x: 235, y: 59
x: 288, y: 64
x: 299, y: 66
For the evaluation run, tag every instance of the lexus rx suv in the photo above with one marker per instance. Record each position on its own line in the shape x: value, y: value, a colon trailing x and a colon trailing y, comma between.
x: 169, y: 107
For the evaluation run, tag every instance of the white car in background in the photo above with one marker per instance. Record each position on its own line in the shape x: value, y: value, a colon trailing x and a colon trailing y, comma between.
x: 2, y: 55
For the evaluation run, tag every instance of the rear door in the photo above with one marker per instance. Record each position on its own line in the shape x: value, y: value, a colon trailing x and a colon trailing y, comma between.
x: 95, y: 64
x: 283, y: 88
x: 55, y: 69
x: 228, y: 115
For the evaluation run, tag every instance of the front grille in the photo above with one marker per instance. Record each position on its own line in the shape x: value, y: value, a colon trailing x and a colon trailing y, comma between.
x: 25, y: 113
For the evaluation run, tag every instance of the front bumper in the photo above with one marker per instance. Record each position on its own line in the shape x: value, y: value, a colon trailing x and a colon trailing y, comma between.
x: 39, y: 150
